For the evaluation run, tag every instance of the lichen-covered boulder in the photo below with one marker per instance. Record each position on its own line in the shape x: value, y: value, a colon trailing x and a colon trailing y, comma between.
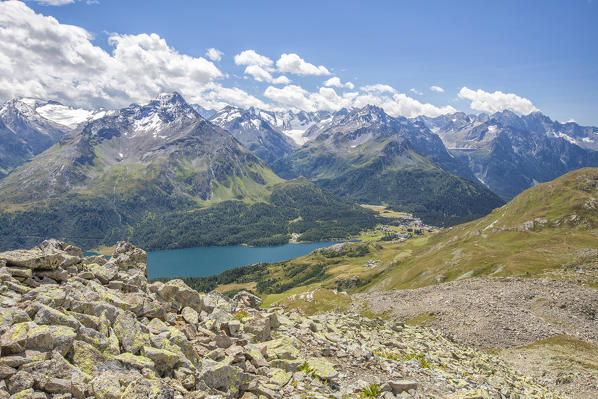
x: 222, y: 376
x: 131, y: 360
x: 19, y: 382
x: 163, y: 359
x: 46, y: 315
x: 104, y: 273
x: 88, y: 359
x: 29, y: 335
x: 283, y: 348
x: 176, y: 290
x: 106, y: 386
x: 259, y: 328
x: 131, y: 334
x: 322, y: 368
x: 144, y: 388
x: 190, y: 315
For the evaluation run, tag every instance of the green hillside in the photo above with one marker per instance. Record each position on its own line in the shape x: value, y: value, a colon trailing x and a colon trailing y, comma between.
x: 151, y: 219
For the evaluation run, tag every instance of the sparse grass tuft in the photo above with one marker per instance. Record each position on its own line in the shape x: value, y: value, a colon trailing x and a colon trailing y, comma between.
x: 421, y: 320
x: 240, y: 315
x: 373, y: 391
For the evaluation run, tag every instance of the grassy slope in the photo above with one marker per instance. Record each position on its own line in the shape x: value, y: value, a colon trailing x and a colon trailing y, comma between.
x: 492, y: 245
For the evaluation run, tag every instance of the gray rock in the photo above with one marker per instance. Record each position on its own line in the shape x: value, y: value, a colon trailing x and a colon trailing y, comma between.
x: 143, y: 388
x: 400, y: 386
x: 248, y: 299
x: 49, y: 255
x: 259, y: 328
x: 106, y: 386
x: 49, y: 316
x: 179, y: 292
x: 29, y: 335
x: 190, y: 315
x: 221, y: 376
x: 6, y: 371
x: 19, y: 382
x: 162, y: 358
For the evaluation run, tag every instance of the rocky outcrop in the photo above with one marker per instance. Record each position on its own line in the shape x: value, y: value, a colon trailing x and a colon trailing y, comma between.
x: 75, y: 327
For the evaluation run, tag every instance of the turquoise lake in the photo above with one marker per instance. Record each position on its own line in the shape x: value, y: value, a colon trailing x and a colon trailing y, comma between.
x: 207, y: 261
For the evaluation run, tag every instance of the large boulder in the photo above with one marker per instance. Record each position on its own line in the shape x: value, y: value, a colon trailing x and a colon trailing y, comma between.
x: 106, y: 386
x: 46, y: 315
x: 162, y: 358
x: 49, y: 255
x: 30, y: 335
x: 259, y: 327
x: 222, y: 376
x: 132, y: 335
x: 179, y: 292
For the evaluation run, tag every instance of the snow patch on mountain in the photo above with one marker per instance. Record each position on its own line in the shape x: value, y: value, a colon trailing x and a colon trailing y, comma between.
x: 566, y: 137
x: 151, y: 123
x: 67, y: 116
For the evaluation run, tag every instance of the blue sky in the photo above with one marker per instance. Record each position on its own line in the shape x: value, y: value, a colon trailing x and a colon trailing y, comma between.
x: 544, y: 52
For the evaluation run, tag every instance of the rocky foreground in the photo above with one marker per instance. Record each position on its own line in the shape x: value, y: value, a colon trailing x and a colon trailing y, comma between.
x: 75, y: 327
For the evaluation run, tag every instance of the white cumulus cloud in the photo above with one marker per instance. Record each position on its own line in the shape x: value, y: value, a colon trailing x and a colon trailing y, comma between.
x: 399, y: 104
x: 437, y: 89
x: 261, y: 75
x: 336, y: 82
x: 214, y: 54
x: 292, y: 63
x: 217, y: 97
x: 497, y: 101
x: 250, y: 57
x: 414, y: 91
x: 291, y: 95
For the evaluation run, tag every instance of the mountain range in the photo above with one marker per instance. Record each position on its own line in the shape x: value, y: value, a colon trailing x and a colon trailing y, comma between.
x: 371, y: 157
x: 116, y: 168
x: 115, y: 175
x: 505, y: 152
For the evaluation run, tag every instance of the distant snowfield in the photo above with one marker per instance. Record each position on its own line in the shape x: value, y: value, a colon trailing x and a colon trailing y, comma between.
x: 64, y: 115
x: 67, y: 116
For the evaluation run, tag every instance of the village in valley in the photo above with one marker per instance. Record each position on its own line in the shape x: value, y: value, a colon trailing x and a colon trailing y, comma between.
x: 400, y: 226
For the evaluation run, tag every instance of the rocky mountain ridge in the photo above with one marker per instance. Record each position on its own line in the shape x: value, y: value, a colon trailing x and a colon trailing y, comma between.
x: 81, y: 327
x: 510, y: 153
x: 24, y: 133
x: 254, y: 132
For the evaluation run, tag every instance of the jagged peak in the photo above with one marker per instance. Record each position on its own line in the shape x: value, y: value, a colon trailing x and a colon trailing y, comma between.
x: 168, y: 97
x: 170, y: 104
